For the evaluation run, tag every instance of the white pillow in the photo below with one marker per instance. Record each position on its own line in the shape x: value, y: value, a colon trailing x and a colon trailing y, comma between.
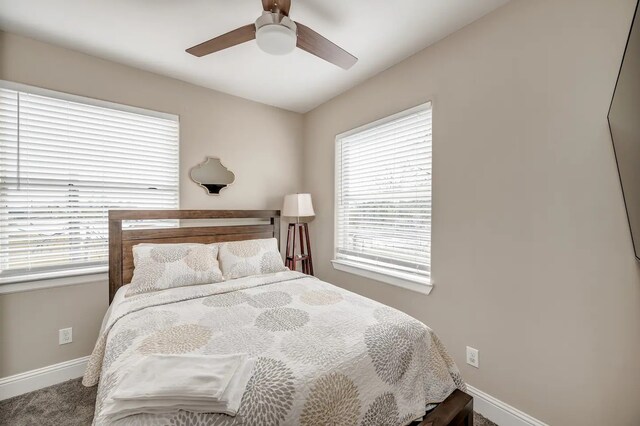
x: 250, y: 257
x: 163, y: 266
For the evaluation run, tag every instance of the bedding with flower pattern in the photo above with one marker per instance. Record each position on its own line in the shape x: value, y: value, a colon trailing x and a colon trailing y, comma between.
x: 162, y: 266
x: 240, y: 259
x: 325, y: 355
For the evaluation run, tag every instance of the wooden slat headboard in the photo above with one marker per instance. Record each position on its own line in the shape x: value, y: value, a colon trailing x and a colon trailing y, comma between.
x: 121, y: 241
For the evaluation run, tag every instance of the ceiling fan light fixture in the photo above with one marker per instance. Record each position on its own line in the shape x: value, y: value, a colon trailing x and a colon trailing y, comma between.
x: 276, y: 39
x: 276, y: 34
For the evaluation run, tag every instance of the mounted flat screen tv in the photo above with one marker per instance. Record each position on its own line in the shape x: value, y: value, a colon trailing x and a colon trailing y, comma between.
x: 624, y: 123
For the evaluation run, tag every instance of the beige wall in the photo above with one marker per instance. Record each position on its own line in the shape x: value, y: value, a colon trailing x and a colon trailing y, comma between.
x: 532, y: 257
x: 260, y: 144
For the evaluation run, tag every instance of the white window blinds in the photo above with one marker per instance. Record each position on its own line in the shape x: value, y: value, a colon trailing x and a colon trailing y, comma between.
x: 383, y: 196
x: 65, y: 163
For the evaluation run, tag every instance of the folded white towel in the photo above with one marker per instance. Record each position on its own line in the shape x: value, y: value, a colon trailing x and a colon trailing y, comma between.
x: 167, y: 383
x: 235, y: 390
x: 166, y: 376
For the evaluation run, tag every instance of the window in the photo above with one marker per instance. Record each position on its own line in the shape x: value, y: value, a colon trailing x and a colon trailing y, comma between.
x: 383, y: 200
x: 64, y: 162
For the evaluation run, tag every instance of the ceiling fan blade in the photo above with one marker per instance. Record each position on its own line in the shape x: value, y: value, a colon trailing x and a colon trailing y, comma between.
x: 232, y: 38
x: 312, y: 42
x: 274, y: 5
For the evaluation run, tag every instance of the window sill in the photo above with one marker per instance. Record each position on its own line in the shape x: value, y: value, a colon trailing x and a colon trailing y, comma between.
x: 407, y: 284
x: 52, y: 283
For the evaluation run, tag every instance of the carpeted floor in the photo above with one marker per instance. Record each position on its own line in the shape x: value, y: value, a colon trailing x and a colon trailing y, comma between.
x: 70, y: 404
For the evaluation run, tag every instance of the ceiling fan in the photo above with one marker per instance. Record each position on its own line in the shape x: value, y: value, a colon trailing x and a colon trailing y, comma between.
x: 277, y: 34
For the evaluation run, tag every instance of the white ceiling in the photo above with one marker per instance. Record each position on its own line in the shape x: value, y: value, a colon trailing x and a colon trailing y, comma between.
x: 153, y: 34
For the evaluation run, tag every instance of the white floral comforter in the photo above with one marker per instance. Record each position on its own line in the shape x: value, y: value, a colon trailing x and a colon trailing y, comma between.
x: 325, y: 355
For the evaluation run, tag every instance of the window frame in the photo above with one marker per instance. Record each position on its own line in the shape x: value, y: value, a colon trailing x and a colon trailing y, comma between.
x: 378, y: 274
x: 64, y: 277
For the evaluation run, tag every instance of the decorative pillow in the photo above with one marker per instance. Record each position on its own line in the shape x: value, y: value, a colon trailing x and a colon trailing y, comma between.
x: 250, y: 257
x: 163, y: 266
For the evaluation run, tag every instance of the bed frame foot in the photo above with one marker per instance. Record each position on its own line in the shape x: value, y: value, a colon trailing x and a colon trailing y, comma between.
x: 456, y: 410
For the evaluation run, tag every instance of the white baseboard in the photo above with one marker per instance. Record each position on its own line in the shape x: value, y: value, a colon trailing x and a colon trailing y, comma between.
x: 42, y: 377
x: 500, y: 412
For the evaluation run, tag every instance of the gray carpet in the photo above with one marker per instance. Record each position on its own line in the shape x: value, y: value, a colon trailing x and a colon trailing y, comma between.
x: 70, y: 404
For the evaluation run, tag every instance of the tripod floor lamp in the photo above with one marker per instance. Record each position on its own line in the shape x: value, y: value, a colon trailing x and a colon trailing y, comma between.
x: 297, y: 206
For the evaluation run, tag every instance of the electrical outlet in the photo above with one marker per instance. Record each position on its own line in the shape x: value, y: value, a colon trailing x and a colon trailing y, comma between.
x: 65, y: 335
x: 473, y: 357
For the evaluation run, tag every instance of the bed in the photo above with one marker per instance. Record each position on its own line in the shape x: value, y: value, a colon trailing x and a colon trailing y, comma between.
x: 324, y: 355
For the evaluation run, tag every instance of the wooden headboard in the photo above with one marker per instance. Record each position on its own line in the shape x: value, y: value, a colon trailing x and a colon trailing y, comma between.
x: 122, y: 241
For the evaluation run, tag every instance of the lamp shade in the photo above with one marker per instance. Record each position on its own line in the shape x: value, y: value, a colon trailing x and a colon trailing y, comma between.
x: 297, y: 205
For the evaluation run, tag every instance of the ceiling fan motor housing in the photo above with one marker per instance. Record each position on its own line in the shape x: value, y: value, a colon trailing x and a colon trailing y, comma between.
x: 276, y: 34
